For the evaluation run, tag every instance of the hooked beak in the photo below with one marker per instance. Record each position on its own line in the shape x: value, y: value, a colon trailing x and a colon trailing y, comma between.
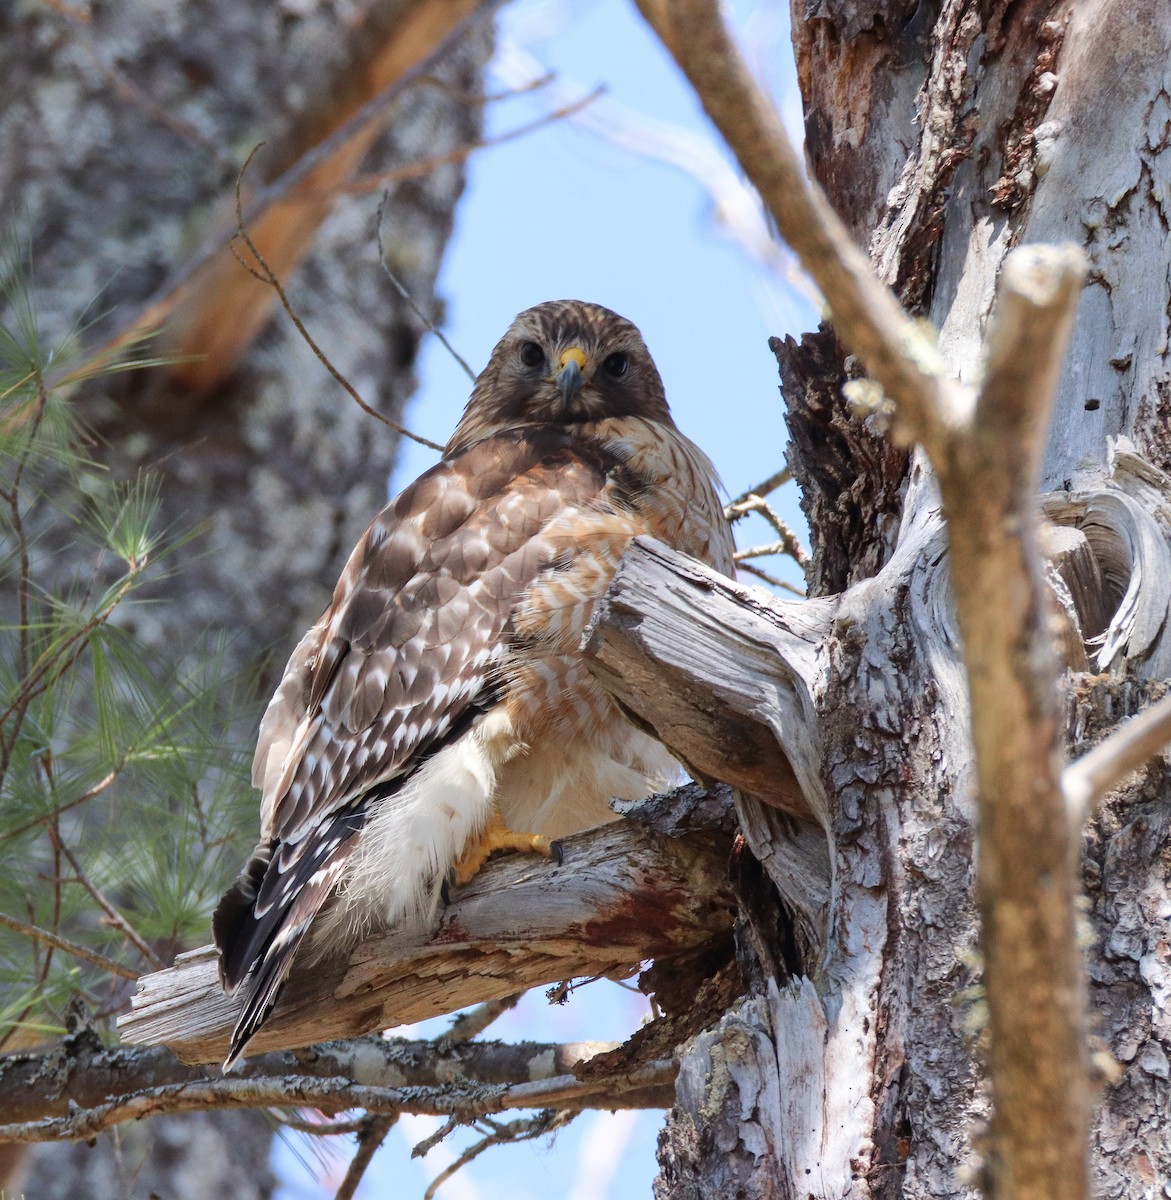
x: 568, y: 377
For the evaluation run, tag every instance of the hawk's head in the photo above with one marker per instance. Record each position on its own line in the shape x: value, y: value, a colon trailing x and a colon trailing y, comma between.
x: 563, y: 362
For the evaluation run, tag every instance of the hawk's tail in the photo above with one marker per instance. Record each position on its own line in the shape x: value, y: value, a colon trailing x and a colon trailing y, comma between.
x: 261, y: 921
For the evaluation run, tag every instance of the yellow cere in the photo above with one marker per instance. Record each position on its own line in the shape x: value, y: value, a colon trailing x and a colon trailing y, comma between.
x: 573, y: 354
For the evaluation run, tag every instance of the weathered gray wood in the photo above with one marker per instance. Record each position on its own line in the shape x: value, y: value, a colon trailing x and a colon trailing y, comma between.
x: 970, y: 128
x: 716, y: 671
x: 622, y: 896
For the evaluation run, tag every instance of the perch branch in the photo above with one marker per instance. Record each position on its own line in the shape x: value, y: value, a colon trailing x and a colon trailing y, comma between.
x: 625, y: 895
x: 1127, y: 748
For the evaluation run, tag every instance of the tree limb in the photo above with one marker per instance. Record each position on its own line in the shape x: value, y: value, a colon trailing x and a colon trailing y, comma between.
x: 624, y: 895
x: 93, y: 1087
x: 1028, y: 853
x: 896, y: 351
x: 716, y: 671
x: 1127, y: 748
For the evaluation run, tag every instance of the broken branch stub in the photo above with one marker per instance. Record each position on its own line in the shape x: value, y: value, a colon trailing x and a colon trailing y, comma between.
x: 715, y: 671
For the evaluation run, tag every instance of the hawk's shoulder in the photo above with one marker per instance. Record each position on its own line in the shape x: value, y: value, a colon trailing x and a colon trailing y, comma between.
x: 415, y: 626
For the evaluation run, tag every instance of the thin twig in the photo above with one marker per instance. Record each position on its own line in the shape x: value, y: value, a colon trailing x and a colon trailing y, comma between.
x: 768, y: 550
x: 789, y: 543
x: 13, y: 496
x: 97, y: 789
x: 363, y: 184
x: 113, y: 916
x: 433, y: 1139
x: 772, y: 580
x: 370, y: 1138
x: 266, y: 276
x: 1127, y: 748
x: 59, y: 943
x: 478, y: 100
x: 472, y: 1023
x: 410, y: 300
x: 765, y: 488
x: 511, y: 1132
x: 1028, y: 882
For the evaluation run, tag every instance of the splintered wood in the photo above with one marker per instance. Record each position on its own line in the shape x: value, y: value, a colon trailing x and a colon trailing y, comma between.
x: 624, y: 895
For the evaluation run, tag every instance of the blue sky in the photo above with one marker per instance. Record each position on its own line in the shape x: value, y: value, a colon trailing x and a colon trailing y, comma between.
x: 623, y: 205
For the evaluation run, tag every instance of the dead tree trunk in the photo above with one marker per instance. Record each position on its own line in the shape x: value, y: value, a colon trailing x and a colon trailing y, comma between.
x: 945, y: 135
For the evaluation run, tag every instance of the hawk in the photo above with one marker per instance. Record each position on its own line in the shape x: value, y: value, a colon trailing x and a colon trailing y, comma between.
x: 440, y: 709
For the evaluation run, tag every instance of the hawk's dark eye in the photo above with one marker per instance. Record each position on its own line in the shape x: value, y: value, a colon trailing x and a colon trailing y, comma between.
x: 615, y: 366
x: 532, y: 355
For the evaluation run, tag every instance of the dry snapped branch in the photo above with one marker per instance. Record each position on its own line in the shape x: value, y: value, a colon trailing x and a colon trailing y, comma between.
x: 625, y: 896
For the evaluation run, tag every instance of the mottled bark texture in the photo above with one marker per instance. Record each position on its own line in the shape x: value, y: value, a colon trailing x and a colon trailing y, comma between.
x: 122, y: 140
x: 945, y: 135
x: 122, y: 132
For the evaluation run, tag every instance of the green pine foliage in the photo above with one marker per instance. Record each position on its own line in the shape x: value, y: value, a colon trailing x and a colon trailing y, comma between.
x: 124, y: 802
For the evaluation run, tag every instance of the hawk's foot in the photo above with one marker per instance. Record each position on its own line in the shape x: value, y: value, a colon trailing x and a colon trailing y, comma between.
x: 497, y: 836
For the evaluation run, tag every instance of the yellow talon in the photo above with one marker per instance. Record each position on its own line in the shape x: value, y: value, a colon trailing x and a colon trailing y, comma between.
x: 497, y: 836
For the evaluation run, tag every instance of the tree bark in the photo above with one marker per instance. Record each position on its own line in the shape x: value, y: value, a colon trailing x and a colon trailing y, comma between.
x: 122, y: 140
x: 945, y: 136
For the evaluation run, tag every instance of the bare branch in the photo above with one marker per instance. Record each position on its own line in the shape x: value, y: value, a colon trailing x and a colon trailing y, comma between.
x: 1127, y: 748
x: 1027, y: 335
x: 789, y: 543
x: 113, y: 916
x: 1028, y: 851
x: 381, y: 179
x: 752, y: 569
x: 509, y: 1133
x: 471, y: 1024
x: 764, y: 488
x: 370, y: 1138
x: 101, y: 1088
x: 400, y: 287
x: 896, y: 351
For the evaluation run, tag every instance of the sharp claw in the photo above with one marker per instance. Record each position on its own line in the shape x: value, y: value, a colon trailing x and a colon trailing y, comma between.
x: 446, y: 886
x: 557, y: 852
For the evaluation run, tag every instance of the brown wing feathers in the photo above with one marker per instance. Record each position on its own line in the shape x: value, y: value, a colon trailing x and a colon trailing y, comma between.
x: 410, y: 643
